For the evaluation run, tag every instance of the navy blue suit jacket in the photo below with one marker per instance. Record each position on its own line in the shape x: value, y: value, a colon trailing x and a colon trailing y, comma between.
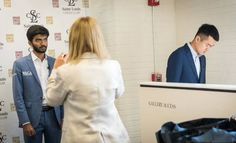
x: 181, y: 67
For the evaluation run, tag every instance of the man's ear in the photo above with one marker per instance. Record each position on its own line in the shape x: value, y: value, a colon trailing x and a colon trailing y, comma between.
x: 198, y: 38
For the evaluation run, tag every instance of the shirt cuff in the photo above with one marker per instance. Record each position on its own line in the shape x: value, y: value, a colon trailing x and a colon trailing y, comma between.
x: 26, y: 123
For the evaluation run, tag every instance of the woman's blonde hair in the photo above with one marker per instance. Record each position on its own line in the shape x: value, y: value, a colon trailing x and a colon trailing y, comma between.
x: 86, y: 36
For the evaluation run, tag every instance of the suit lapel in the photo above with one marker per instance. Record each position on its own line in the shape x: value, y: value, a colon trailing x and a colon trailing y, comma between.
x: 190, y: 60
x: 32, y: 68
x: 50, y: 64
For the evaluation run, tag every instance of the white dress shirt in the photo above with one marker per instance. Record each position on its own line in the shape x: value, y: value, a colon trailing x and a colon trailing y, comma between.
x: 42, y: 72
x: 195, y: 59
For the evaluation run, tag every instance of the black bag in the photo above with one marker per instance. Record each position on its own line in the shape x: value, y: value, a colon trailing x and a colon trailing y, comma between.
x: 204, y: 130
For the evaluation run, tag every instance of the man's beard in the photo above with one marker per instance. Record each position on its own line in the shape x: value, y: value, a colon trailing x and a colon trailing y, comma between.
x: 42, y: 49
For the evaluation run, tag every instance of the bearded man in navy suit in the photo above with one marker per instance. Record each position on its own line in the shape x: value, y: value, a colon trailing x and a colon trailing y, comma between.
x: 30, y: 75
x: 187, y: 64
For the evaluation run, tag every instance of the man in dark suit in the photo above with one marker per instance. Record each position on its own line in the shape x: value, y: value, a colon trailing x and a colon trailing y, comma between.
x: 187, y: 64
x: 30, y: 75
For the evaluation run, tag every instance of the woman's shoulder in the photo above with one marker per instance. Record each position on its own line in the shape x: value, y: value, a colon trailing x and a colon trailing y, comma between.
x: 114, y: 62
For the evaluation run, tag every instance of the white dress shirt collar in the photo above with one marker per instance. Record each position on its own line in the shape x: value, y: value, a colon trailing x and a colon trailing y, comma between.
x: 194, y: 53
x: 34, y: 57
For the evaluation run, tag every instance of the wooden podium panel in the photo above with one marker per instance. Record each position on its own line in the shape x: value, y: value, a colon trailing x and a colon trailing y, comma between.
x: 163, y: 102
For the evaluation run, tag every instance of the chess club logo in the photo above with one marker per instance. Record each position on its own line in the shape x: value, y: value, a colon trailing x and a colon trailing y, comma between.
x: 3, y: 113
x: 71, y: 2
x: 3, y: 137
x: 71, y: 7
x: 1, y: 105
x: 2, y: 81
x: 33, y: 15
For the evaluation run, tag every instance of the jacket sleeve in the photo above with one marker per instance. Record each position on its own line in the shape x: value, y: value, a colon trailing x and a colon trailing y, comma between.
x: 174, y: 68
x: 56, y: 89
x: 17, y: 88
x: 121, y: 88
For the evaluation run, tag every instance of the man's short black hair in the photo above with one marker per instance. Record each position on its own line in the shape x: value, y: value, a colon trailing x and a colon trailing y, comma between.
x: 208, y: 30
x: 35, y: 30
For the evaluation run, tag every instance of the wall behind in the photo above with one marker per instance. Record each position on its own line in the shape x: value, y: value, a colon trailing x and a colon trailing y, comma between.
x: 164, y: 34
x: 127, y: 28
x: 190, y: 14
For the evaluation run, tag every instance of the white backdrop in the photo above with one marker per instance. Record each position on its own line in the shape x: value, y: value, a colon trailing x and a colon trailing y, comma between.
x: 15, y: 18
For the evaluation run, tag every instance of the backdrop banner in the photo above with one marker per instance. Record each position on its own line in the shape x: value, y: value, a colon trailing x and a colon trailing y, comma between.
x: 16, y: 17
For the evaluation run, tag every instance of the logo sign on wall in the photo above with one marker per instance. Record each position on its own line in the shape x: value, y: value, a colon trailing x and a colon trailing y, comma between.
x: 51, y: 52
x: 55, y: 3
x: 71, y: 7
x: 1, y: 6
x: 12, y: 107
x: 86, y: 3
x: 2, y: 81
x: 3, y: 137
x: 57, y: 36
x: 7, y: 3
x: 9, y: 72
x: 71, y: 2
x: 1, y: 45
x: 16, y: 20
x: 18, y: 54
x: 16, y: 139
x: 49, y: 20
x: 1, y: 105
x: 33, y: 16
x: 9, y: 38
x: 3, y: 113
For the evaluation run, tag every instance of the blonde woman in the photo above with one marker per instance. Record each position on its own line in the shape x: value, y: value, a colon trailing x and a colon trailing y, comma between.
x: 87, y: 83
